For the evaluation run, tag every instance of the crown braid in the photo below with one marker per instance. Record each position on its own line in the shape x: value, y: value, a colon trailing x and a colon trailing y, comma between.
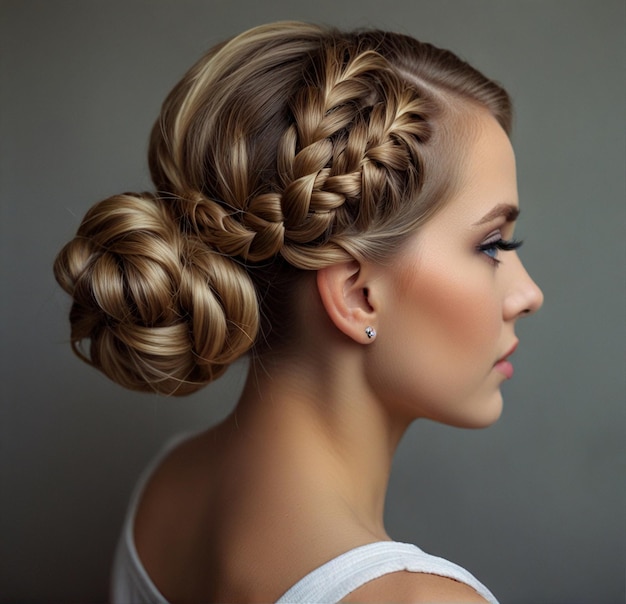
x: 349, y: 157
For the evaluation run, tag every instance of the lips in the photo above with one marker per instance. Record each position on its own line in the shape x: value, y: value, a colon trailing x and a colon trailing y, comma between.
x: 508, y: 354
x: 503, y: 365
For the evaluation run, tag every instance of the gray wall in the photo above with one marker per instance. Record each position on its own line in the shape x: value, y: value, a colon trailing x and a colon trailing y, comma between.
x: 534, y: 505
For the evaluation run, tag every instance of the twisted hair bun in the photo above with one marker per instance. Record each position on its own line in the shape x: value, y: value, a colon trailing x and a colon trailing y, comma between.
x: 162, y: 310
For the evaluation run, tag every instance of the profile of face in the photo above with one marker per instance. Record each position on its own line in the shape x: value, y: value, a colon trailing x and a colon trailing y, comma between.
x: 448, y: 304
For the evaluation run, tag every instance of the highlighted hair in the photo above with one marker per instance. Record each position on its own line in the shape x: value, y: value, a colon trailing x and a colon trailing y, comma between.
x: 286, y: 149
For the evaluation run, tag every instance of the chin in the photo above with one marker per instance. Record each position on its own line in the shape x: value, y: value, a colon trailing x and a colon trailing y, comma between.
x: 487, y: 416
x: 480, y: 423
x: 475, y: 415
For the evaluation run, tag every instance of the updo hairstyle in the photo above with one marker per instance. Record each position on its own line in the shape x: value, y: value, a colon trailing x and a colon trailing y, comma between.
x: 286, y: 149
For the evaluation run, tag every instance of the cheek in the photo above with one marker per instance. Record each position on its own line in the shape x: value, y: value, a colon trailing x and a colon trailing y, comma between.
x: 444, y: 328
x: 452, y: 308
x: 459, y: 317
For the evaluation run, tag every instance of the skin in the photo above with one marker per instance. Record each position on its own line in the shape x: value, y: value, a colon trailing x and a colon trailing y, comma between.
x: 298, y: 473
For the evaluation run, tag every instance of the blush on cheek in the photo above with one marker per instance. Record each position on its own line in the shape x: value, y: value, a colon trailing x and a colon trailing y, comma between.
x: 454, y: 316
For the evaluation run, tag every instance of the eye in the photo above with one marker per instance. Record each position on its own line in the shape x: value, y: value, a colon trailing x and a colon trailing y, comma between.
x: 494, y: 244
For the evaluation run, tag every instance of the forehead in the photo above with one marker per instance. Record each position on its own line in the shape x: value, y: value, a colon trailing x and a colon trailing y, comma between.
x: 490, y: 161
x: 487, y: 175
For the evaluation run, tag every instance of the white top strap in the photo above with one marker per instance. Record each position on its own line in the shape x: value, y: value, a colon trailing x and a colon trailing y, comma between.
x: 334, y: 580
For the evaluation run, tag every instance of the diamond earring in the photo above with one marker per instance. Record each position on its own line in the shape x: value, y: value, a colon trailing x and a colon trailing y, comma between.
x: 370, y: 332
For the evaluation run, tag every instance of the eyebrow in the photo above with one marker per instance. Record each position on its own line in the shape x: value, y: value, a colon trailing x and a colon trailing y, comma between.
x: 510, y: 212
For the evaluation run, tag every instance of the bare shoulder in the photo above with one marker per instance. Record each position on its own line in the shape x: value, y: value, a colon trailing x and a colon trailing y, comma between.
x: 174, y: 465
x: 169, y: 519
x: 414, y: 588
x: 173, y: 498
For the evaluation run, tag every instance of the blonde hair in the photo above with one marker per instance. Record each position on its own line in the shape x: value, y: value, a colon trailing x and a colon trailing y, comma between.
x: 285, y: 149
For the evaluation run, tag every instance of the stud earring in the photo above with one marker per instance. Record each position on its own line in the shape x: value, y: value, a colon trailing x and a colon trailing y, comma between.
x: 370, y: 332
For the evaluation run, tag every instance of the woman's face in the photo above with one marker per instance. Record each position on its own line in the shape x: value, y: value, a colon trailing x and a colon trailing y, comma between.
x: 448, y: 304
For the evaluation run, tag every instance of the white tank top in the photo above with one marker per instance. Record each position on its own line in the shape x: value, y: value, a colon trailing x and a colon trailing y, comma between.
x: 334, y: 580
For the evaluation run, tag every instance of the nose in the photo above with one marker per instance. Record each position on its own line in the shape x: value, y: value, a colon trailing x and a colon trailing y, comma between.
x: 523, y: 297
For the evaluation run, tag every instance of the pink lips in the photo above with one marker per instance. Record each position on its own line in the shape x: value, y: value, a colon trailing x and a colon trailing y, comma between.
x: 504, y: 366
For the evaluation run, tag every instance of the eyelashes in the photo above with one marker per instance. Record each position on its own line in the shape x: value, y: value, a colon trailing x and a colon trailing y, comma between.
x: 495, y: 244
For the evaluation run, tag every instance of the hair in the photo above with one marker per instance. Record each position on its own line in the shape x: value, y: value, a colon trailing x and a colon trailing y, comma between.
x: 283, y: 150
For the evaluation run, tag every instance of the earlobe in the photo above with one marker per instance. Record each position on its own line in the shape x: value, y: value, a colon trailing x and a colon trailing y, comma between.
x: 346, y: 299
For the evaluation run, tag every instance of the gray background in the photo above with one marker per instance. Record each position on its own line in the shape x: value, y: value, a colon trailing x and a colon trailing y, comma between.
x: 534, y: 506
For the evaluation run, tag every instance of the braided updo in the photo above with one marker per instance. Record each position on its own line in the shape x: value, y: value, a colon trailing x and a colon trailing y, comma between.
x: 284, y: 150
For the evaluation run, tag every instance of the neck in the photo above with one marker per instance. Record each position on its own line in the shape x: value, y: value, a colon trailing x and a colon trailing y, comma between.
x: 313, y: 427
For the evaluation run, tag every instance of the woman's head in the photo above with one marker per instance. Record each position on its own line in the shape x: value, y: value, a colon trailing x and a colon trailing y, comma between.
x: 284, y: 150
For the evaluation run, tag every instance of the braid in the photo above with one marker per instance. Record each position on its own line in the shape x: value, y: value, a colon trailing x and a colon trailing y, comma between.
x: 349, y: 158
x: 359, y: 131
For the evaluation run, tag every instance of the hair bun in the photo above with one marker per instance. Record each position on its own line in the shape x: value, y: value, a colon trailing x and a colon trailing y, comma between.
x: 163, y: 312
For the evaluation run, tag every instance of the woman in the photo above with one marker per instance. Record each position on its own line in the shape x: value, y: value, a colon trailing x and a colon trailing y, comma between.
x: 341, y: 206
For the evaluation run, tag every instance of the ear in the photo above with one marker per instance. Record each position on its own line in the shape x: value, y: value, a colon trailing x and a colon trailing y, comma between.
x: 345, y: 297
